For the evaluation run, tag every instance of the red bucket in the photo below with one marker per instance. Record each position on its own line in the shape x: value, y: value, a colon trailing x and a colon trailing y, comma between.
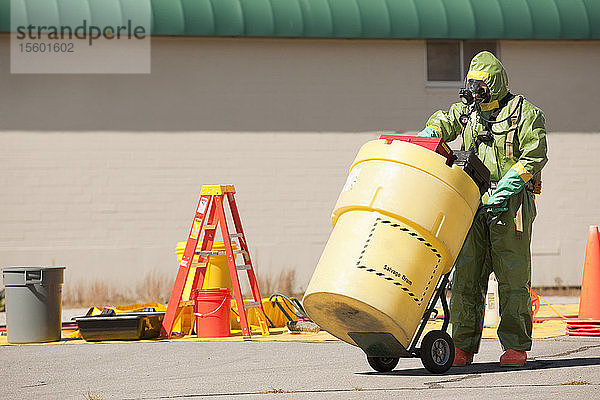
x: 211, y: 307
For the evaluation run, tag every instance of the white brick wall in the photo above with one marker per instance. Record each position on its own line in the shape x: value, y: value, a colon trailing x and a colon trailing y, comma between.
x: 569, y: 204
x: 113, y: 205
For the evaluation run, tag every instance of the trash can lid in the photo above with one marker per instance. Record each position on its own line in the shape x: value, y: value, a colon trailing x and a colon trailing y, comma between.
x: 30, y: 268
x: 22, y: 276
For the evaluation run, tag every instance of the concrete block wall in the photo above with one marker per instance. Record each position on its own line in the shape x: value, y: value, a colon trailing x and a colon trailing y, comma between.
x: 567, y: 207
x: 113, y: 205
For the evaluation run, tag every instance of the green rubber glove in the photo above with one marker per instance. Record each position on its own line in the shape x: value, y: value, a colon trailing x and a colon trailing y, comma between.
x: 429, y: 132
x: 510, y: 184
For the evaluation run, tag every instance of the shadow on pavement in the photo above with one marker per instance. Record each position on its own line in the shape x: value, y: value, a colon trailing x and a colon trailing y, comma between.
x: 493, y: 367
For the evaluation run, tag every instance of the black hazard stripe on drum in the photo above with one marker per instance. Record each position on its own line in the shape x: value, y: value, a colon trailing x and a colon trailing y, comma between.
x: 387, y: 277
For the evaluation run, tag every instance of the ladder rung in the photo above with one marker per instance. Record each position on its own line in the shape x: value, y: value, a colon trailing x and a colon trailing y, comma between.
x: 184, y: 263
x: 219, y: 252
x: 236, y: 235
x: 252, y: 304
x: 209, y: 227
x: 243, y: 267
x: 211, y: 253
x: 186, y: 303
x: 194, y: 265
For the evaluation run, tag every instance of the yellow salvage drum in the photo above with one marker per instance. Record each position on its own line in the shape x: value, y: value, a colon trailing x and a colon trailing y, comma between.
x: 399, y: 224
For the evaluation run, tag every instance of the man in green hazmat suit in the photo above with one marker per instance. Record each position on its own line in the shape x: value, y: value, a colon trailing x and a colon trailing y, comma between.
x: 508, y: 134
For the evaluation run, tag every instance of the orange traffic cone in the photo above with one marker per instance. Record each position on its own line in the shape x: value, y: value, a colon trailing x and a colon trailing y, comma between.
x: 588, y: 323
x: 589, y: 300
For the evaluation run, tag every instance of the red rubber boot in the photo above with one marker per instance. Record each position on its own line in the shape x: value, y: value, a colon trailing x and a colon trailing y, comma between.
x: 462, y: 358
x: 513, y: 358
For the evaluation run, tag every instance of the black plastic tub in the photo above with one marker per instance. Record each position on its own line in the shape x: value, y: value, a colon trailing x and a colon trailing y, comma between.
x: 125, y: 326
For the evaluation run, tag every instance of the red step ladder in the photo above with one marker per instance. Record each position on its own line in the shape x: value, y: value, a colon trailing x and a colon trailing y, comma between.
x: 210, y: 214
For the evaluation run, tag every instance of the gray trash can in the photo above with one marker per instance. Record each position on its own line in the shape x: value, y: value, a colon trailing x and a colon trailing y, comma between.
x: 33, y: 303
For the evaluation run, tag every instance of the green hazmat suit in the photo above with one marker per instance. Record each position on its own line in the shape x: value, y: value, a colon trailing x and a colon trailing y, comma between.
x: 499, y: 239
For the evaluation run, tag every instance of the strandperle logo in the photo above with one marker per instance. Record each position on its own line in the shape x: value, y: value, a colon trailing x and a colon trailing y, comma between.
x: 83, y: 31
x: 76, y: 41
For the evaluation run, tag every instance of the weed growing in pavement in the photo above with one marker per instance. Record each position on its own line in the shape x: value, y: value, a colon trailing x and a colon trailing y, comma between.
x: 154, y: 286
x: 576, y: 383
x: 85, y: 293
x: 90, y: 396
x: 276, y: 391
x: 558, y: 290
x: 283, y: 282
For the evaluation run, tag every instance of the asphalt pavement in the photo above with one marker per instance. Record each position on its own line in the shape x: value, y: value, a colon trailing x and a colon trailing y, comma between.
x: 563, y: 367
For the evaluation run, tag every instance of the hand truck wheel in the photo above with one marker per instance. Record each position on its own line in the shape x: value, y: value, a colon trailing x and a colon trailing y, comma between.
x: 383, y: 364
x: 437, y: 352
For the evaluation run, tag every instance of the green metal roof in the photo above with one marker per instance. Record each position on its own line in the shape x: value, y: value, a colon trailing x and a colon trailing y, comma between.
x: 384, y: 19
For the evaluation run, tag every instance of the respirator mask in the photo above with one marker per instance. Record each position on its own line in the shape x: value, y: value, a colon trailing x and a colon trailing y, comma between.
x: 475, y: 91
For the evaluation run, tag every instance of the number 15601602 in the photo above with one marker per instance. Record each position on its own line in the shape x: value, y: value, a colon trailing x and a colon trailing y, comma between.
x: 46, y: 47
